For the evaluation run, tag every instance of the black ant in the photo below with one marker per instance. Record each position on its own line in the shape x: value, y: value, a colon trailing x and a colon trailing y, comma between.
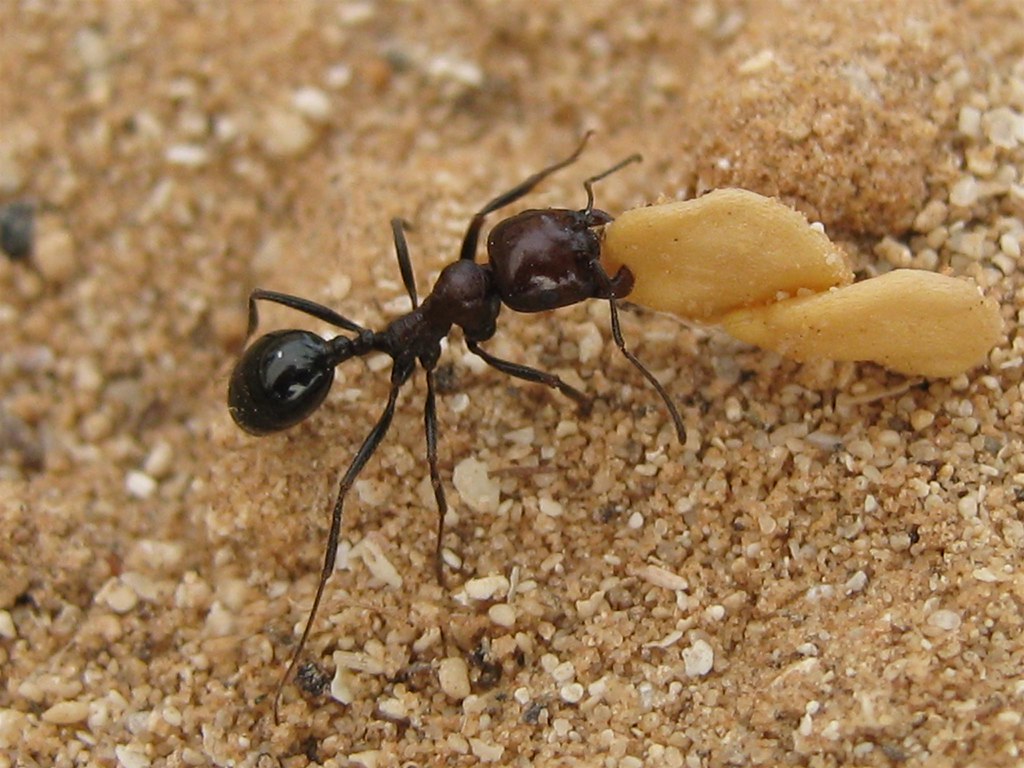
x: 538, y: 260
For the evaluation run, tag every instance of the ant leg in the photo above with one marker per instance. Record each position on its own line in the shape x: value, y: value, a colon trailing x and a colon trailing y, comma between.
x: 621, y: 344
x: 398, y: 227
x: 583, y: 402
x: 469, y: 241
x: 430, y: 428
x: 319, y: 311
x: 398, y: 377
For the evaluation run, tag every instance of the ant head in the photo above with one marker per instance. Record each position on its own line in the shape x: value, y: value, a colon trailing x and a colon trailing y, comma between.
x: 280, y: 380
x: 543, y: 259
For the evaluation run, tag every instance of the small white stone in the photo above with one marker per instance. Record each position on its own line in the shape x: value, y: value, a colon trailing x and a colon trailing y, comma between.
x: 502, y: 614
x: 662, y: 577
x: 945, y: 619
x: 187, y: 155
x: 55, y: 254
x: 393, y: 709
x: 368, y: 758
x: 377, y: 563
x: 550, y: 507
x: 313, y: 103
x: 715, y: 612
x: 969, y: 121
x: 117, y: 595
x: 66, y: 713
x: 1004, y: 127
x: 485, y: 751
x: 7, y: 629
x: 968, y: 506
x: 160, y: 460
x: 219, y: 620
x: 285, y: 133
x: 139, y: 485
x: 486, y: 587
x: 338, y: 76
x: 524, y: 436
x: 341, y: 684
x: 965, y: 192
x: 563, y: 672
x: 571, y: 693
x: 453, y: 677
x: 699, y: 658
x: 464, y: 72
x: 129, y: 757
x: 856, y: 582
x: 1009, y: 244
x: 477, y: 489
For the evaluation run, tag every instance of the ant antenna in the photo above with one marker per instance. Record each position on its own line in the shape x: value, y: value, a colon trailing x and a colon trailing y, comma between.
x: 589, y: 183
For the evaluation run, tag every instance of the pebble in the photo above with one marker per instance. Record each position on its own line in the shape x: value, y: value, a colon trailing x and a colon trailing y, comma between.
x: 55, y: 254
x: 856, y: 582
x: 921, y: 419
x: 139, y: 485
x: 453, y: 677
x: 699, y: 658
x: 129, y: 757
x: 187, y: 155
x: 486, y: 587
x: 563, y: 672
x: 117, y: 596
x: 965, y: 192
x: 485, y: 751
x: 945, y: 619
x: 7, y: 629
x: 66, y: 713
x: 160, y: 460
x: 341, y: 684
x: 369, y: 758
x: 475, y: 486
x: 378, y: 564
x: 1004, y: 127
x: 313, y: 103
x: 571, y: 693
x: 502, y: 614
x: 931, y: 216
x: 285, y: 133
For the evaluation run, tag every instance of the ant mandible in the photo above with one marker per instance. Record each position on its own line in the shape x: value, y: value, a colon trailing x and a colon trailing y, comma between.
x: 538, y: 260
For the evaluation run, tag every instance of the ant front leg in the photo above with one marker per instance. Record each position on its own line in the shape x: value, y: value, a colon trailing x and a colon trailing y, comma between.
x: 611, y: 288
x: 311, y: 308
x: 472, y: 236
x: 525, y: 372
x: 399, y: 375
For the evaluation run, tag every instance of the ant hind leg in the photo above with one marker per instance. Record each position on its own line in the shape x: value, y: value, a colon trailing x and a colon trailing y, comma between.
x: 398, y: 377
x: 398, y: 227
x: 430, y: 429
x: 311, y: 308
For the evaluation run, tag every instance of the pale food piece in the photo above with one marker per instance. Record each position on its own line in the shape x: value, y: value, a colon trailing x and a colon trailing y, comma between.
x: 730, y: 248
x: 911, y: 321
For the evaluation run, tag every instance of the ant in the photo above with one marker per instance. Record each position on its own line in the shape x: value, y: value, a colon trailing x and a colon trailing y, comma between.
x: 538, y: 260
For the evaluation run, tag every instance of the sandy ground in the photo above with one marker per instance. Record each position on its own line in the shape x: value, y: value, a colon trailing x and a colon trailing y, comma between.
x: 828, y: 572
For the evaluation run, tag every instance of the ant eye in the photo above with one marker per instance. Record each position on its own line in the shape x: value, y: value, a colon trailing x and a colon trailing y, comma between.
x: 281, y: 379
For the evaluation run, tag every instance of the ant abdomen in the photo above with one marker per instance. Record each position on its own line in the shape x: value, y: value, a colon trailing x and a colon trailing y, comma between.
x: 280, y: 380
